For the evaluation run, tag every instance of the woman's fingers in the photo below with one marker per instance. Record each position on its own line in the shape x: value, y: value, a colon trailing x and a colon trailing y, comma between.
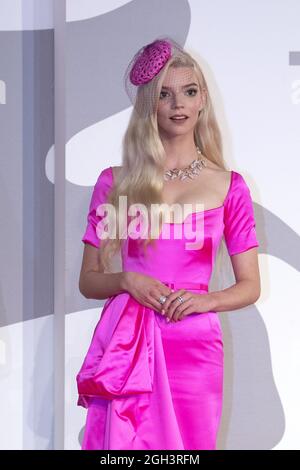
x: 176, y: 309
x: 155, y: 299
x: 183, y: 309
x: 173, y: 295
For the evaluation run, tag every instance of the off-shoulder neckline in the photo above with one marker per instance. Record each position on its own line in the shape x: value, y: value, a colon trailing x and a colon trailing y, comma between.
x: 232, y: 173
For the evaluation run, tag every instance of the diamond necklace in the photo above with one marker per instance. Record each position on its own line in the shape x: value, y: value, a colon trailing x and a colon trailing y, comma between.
x: 189, y: 172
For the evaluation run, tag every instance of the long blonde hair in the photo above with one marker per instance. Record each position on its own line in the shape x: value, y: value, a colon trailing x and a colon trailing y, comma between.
x: 140, y: 178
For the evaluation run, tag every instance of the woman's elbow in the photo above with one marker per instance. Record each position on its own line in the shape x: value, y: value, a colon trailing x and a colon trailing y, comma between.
x: 256, y: 293
x: 82, y: 288
x: 257, y: 296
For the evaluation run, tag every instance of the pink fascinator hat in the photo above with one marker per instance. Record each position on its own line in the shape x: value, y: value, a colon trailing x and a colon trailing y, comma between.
x: 144, y: 67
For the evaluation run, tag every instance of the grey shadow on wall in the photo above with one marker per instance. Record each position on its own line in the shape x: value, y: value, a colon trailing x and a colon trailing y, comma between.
x: 253, y: 416
x: 92, y: 43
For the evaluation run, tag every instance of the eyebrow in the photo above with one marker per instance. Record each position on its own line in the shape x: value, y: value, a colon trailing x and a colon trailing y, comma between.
x: 185, y: 86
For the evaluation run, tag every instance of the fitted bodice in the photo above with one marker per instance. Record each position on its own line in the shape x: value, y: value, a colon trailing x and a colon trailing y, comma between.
x: 182, y: 251
x: 186, y: 251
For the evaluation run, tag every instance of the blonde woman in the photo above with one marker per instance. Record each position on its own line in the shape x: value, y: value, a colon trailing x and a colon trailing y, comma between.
x: 152, y: 377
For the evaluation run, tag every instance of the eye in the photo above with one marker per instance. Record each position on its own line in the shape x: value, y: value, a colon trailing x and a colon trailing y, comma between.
x: 162, y: 93
x: 193, y: 89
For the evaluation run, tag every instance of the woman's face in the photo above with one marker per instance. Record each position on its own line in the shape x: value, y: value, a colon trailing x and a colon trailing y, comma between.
x: 180, y: 94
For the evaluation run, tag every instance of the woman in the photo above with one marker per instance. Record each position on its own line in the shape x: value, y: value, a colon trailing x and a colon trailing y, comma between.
x: 153, y: 375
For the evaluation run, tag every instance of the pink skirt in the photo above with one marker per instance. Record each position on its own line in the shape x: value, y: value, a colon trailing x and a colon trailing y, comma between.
x: 150, y: 384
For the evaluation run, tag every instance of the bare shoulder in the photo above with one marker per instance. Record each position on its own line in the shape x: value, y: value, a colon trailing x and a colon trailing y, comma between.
x: 217, y: 171
x: 219, y: 178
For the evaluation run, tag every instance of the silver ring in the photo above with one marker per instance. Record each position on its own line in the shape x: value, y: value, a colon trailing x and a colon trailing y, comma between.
x: 162, y: 299
x: 181, y: 299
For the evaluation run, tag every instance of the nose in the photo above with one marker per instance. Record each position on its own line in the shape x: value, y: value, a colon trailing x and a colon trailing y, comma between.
x: 177, y: 104
x: 176, y: 100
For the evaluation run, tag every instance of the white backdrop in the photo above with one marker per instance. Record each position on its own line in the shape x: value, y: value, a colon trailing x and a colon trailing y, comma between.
x: 249, y: 53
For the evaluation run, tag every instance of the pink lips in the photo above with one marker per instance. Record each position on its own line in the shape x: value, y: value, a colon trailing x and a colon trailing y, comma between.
x: 182, y: 119
x: 179, y: 116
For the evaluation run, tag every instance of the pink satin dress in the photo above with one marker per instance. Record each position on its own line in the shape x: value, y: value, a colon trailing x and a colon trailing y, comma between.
x: 147, y: 383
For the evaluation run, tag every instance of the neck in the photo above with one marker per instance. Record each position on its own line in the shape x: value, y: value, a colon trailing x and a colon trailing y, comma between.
x: 180, y: 152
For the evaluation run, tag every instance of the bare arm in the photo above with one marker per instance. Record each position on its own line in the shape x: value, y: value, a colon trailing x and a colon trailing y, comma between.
x: 247, y: 289
x: 93, y: 282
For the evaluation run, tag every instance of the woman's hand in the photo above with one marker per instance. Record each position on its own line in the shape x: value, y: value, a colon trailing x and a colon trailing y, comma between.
x: 193, y: 303
x: 145, y: 289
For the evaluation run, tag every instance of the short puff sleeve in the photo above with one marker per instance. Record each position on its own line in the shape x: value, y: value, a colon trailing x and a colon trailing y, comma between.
x: 239, y: 221
x: 99, y: 196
